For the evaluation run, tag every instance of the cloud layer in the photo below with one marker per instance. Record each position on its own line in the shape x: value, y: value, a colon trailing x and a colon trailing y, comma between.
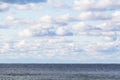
x: 81, y: 30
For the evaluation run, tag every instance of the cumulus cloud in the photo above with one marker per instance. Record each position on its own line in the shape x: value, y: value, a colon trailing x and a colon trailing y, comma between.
x: 4, y: 7
x: 109, y: 26
x: 11, y: 20
x: 93, y: 16
x: 42, y: 30
x: 57, y: 4
x: 63, y: 32
x: 116, y: 15
x: 81, y: 26
x: 25, y: 33
x: 5, y: 47
x: 43, y: 47
x: 63, y: 47
x: 63, y: 19
x: 109, y: 36
x: 21, y: 7
x: 60, y: 20
x: 95, y: 5
x: 103, y: 50
x: 46, y: 19
x: 21, y: 44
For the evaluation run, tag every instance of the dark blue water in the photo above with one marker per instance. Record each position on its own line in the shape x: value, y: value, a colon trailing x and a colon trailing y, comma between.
x: 59, y: 72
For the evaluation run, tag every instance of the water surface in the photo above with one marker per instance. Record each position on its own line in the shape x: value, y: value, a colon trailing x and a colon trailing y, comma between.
x: 59, y: 72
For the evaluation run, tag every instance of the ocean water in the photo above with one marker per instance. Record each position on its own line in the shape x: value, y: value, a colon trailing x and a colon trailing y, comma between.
x: 59, y: 72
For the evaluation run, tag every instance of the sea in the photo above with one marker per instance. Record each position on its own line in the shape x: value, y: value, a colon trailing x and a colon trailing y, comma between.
x: 59, y: 71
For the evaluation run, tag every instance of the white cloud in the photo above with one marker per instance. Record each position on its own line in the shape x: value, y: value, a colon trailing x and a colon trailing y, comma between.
x: 102, y: 51
x: 109, y: 36
x: 4, y: 6
x: 62, y: 32
x: 81, y: 26
x: 58, y: 20
x: 93, y: 16
x: 116, y: 18
x: 5, y: 47
x: 109, y: 26
x: 11, y: 20
x: 63, y: 18
x: 96, y: 5
x: 64, y: 47
x: 56, y: 3
x: 46, y: 19
x: 81, y: 5
x: 25, y: 33
x: 21, y: 44
x: 42, y: 30
x: 21, y: 7
x: 116, y: 14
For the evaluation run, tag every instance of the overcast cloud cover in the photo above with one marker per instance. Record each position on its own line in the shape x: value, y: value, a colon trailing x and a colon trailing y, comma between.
x: 60, y: 31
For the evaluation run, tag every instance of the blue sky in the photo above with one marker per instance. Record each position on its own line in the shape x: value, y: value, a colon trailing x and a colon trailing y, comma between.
x: 59, y: 31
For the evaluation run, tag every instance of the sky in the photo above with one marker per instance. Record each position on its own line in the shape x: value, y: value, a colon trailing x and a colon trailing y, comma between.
x: 59, y: 31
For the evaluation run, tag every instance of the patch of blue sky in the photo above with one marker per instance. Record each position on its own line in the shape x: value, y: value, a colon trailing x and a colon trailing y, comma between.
x: 22, y: 1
